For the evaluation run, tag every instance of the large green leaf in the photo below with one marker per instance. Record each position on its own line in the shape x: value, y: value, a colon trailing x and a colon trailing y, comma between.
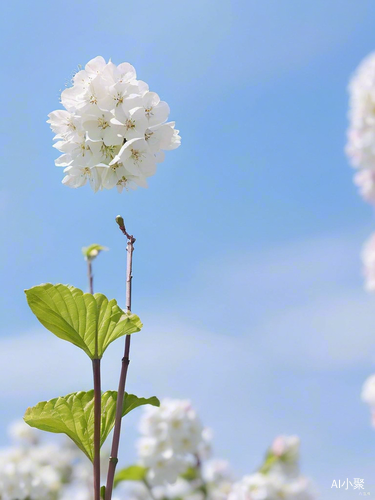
x: 73, y: 415
x: 91, y: 322
x: 131, y: 473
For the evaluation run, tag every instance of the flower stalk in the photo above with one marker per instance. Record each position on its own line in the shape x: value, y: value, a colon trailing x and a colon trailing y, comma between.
x: 124, y: 364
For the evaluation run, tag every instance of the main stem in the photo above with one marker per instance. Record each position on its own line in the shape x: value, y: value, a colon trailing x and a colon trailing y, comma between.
x: 97, y: 403
x: 124, y: 370
x: 97, y: 422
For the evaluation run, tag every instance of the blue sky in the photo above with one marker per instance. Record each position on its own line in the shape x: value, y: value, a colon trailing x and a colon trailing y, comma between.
x: 247, y: 272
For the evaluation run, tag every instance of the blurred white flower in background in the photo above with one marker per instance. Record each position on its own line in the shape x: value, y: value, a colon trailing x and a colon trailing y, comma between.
x: 253, y: 487
x: 365, y: 180
x: 286, y: 447
x: 361, y: 134
x: 368, y: 261
x: 33, y: 470
x: 361, y: 151
x: 113, y: 130
x: 368, y: 391
x: 174, y: 447
x: 172, y: 436
x: 23, y: 434
x: 279, y: 476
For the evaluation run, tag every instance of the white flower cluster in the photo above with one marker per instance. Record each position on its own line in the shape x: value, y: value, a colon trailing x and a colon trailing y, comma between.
x: 32, y: 470
x: 361, y: 150
x: 172, y: 438
x: 279, y: 477
x: 361, y: 147
x: 173, y: 447
x: 212, y: 481
x: 361, y: 134
x: 218, y: 478
x: 271, y: 487
x: 113, y: 130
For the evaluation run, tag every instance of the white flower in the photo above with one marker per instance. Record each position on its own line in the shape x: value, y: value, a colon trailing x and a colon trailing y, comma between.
x: 99, y: 127
x: 22, y: 433
x: 166, y: 469
x: 271, y: 487
x: 179, y: 489
x: 105, y: 110
x: 35, y: 470
x: 136, y: 158
x: 220, y: 491
x: 171, y: 439
x: 299, y: 489
x: 368, y: 260
x: 215, y: 471
x: 253, y: 487
x: 279, y: 477
x: 78, y: 176
x: 365, y: 180
x: 361, y: 133
x: 65, y: 125
x: 218, y: 477
x: 22, y: 476
x: 132, y: 121
x: 368, y: 391
x: 156, y: 111
x: 286, y: 447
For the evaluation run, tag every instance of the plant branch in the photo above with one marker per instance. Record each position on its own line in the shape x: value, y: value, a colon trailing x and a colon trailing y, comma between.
x: 97, y: 422
x: 124, y: 364
x: 97, y: 402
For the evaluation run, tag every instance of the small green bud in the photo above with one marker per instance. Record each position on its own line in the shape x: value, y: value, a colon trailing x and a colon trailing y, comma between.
x: 92, y: 251
x: 120, y: 221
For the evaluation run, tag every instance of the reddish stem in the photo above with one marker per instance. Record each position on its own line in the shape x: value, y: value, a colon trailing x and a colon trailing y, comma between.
x: 124, y: 368
x: 97, y: 423
x: 97, y: 403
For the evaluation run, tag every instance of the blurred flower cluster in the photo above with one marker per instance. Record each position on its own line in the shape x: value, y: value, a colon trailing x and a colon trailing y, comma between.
x: 361, y: 134
x: 31, y: 469
x: 113, y: 130
x: 278, y: 477
x: 175, y: 451
x: 175, y: 448
x: 361, y: 151
x: 361, y: 148
x: 172, y: 439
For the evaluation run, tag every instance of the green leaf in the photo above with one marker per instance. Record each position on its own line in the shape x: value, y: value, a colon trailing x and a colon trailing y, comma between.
x: 92, y: 251
x: 88, y: 321
x: 73, y: 415
x: 132, y: 473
